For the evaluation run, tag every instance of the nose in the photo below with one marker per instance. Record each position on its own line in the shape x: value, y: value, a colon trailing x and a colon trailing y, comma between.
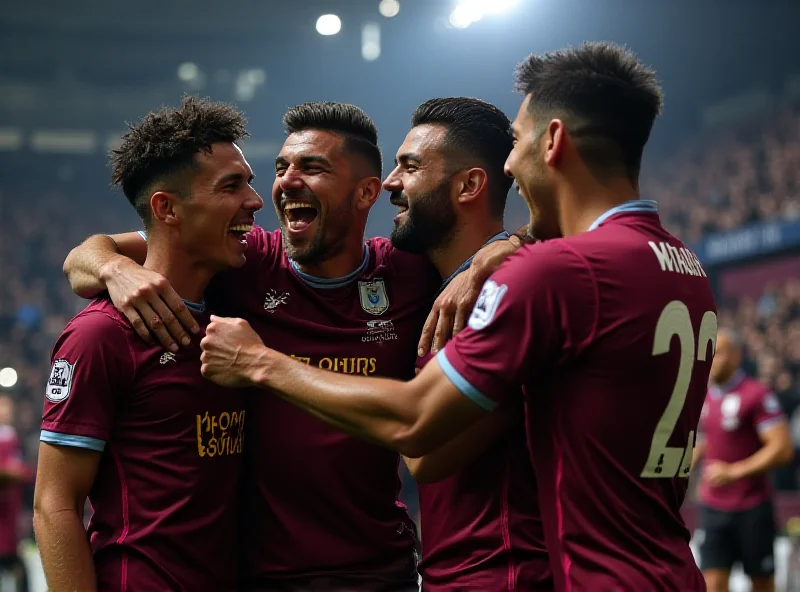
x: 507, y: 168
x: 291, y: 179
x: 393, y: 182
x: 254, y: 202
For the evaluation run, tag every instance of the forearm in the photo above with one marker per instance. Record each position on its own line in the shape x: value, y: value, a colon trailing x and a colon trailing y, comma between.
x: 767, y: 458
x: 65, y: 551
x: 373, y: 408
x: 698, y: 453
x: 87, y: 265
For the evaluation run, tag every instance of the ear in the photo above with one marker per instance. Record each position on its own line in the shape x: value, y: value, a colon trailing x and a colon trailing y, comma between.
x: 163, y: 205
x: 367, y: 192
x: 471, y: 184
x: 555, y: 139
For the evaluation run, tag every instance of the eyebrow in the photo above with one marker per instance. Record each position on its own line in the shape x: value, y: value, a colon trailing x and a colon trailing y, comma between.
x: 406, y: 157
x: 231, y: 177
x: 305, y: 161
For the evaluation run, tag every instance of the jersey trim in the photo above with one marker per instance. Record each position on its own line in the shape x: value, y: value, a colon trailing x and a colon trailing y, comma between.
x: 60, y: 439
x: 331, y: 283
x: 463, y: 384
x: 769, y: 423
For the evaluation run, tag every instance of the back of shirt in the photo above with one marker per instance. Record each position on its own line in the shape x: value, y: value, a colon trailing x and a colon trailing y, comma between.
x: 731, y: 424
x: 617, y: 327
x: 318, y: 502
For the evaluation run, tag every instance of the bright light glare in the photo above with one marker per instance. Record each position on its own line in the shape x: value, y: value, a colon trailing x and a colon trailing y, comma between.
x: 8, y: 377
x: 188, y: 72
x: 462, y: 16
x: 471, y: 11
x: 389, y: 8
x: 328, y: 24
x: 370, y: 42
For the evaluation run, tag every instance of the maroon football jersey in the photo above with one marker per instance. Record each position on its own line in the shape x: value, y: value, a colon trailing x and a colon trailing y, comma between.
x: 611, y: 334
x: 321, y: 507
x: 481, y: 528
x: 733, y: 417
x: 164, y: 499
x: 10, y: 492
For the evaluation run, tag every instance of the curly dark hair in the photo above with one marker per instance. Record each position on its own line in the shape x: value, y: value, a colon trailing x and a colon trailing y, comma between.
x: 605, y: 95
x: 352, y: 123
x: 160, y: 149
x: 476, y: 130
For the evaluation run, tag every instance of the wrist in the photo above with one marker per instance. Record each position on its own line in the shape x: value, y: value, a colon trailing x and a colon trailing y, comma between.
x: 262, y: 370
x: 112, y: 268
x: 737, y: 471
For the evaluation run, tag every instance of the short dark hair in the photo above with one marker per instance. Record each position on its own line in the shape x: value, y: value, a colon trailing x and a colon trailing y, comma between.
x: 606, y: 96
x: 161, y: 148
x: 356, y: 127
x: 477, y: 130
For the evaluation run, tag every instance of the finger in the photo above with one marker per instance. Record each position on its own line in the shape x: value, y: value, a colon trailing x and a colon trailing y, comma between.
x: 184, y: 321
x: 460, y: 319
x: 444, y: 328
x: 135, y: 319
x: 156, y: 326
x: 170, y: 322
x: 427, y: 332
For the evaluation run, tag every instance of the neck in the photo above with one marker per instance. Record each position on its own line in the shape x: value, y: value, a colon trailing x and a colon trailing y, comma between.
x: 189, y: 279
x: 582, y: 204
x: 464, y: 243
x: 344, y: 262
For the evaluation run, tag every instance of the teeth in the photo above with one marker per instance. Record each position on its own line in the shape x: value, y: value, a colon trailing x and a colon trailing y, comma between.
x: 292, y: 205
x: 242, y: 227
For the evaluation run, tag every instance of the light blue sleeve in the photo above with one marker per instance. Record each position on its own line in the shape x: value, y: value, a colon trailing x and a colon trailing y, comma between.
x: 60, y: 439
x: 463, y: 385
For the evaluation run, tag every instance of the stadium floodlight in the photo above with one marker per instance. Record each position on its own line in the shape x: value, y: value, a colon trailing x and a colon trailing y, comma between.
x: 188, y: 72
x: 8, y: 377
x: 467, y: 12
x: 370, y: 41
x: 389, y: 8
x: 329, y: 24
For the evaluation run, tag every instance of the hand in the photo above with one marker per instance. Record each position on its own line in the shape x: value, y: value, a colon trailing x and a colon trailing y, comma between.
x: 231, y: 352
x: 452, y: 308
x: 718, y: 473
x: 150, y: 304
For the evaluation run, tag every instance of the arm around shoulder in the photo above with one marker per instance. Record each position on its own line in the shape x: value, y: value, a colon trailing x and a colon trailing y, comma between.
x: 89, y: 265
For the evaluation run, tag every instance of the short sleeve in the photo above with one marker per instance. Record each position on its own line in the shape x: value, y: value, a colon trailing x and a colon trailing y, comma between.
x: 92, y: 366
x: 767, y: 412
x: 537, y: 311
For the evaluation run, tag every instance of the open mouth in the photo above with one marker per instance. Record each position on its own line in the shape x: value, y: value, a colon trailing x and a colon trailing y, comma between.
x: 238, y: 231
x: 299, y: 215
x: 402, y: 207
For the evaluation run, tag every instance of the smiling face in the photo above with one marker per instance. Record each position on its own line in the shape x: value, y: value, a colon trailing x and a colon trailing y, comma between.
x: 213, y: 220
x: 314, y: 195
x: 526, y: 164
x: 420, y: 187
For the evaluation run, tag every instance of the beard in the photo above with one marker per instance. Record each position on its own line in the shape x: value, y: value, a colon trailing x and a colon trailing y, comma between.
x: 333, y: 230
x: 429, y: 223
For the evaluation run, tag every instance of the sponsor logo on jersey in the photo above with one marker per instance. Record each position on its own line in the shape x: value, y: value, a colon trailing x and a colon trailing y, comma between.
x: 274, y: 299
x: 378, y: 331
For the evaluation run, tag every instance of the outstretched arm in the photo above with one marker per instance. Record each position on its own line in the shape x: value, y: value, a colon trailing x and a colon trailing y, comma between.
x: 413, y: 417
x: 114, y: 263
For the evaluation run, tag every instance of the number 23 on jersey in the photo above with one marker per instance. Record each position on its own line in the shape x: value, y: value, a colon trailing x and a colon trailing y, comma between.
x: 669, y: 461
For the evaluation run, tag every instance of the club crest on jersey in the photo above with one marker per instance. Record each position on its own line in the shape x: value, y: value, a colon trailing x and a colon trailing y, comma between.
x: 729, y: 408
x: 486, y: 306
x: 373, y: 296
x: 60, y: 382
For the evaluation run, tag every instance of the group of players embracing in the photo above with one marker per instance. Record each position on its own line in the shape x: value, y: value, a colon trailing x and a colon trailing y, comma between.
x: 235, y: 402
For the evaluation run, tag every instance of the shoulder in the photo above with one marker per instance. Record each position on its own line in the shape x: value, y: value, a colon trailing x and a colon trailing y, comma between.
x: 550, y: 265
x: 99, y: 320
x: 261, y: 242
x: 99, y: 332
x: 413, y: 271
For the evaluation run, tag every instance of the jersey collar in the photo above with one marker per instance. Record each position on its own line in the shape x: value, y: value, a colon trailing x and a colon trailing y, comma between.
x: 464, y: 266
x: 330, y: 283
x: 634, y: 205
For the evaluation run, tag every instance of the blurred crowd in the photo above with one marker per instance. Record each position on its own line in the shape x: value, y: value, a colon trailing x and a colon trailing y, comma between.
x: 720, y: 181
x: 715, y: 183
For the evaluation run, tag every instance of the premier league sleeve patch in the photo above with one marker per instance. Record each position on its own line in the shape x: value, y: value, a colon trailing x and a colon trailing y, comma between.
x: 486, y: 306
x: 60, y: 382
